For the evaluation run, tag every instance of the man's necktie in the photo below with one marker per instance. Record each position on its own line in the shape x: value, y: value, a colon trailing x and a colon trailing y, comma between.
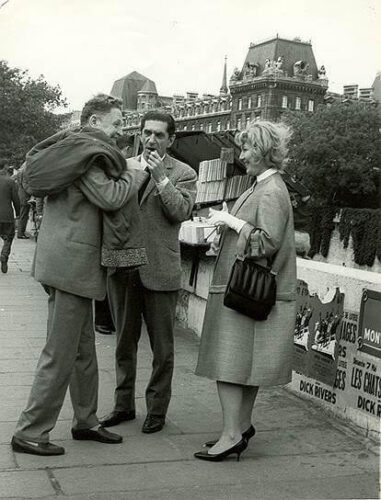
x: 143, y: 187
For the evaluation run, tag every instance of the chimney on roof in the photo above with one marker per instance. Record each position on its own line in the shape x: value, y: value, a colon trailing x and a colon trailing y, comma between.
x: 224, y: 87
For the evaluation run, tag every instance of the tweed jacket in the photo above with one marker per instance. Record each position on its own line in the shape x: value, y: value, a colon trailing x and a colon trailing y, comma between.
x: 68, y: 250
x: 162, y: 214
x: 267, y: 209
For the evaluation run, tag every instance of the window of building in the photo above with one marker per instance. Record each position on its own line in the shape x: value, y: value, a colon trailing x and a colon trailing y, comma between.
x: 284, y: 102
x: 209, y: 127
x: 193, y: 127
x: 218, y: 126
x: 311, y: 104
x: 228, y: 125
x: 259, y: 101
x: 298, y: 103
x: 247, y: 121
x: 201, y: 126
x: 249, y: 102
x: 185, y: 127
x: 239, y: 123
x: 239, y: 104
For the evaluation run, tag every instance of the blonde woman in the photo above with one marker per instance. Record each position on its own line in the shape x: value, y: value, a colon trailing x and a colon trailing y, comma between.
x: 240, y: 353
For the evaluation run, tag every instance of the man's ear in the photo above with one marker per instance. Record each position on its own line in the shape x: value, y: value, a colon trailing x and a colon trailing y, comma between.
x: 93, y: 121
x: 171, y: 140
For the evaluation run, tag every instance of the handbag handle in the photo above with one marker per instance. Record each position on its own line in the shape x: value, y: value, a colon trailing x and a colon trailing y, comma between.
x: 243, y: 250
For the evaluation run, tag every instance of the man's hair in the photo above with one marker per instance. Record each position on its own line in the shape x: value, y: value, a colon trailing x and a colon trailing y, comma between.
x: 4, y: 162
x: 99, y: 104
x: 160, y: 117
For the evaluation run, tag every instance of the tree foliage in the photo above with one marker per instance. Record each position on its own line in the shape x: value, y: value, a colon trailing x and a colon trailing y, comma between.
x: 336, y: 152
x: 26, y: 112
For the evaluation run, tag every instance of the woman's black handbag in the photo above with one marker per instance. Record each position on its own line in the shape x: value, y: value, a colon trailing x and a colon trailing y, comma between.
x: 251, y: 289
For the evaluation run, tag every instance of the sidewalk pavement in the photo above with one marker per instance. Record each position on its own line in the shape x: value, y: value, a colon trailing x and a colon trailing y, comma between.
x: 298, y: 452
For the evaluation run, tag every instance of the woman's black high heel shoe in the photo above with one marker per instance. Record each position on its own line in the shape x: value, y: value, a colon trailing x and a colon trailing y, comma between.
x: 247, y: 435
x: 237, y: 448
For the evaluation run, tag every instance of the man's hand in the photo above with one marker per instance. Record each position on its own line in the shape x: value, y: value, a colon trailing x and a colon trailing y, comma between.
x: 156, y: 167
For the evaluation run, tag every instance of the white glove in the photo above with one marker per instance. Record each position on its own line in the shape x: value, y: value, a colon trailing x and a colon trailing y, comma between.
x: 222, y: 217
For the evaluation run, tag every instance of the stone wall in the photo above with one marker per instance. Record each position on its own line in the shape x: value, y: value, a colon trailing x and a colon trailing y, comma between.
x: 344, y: 256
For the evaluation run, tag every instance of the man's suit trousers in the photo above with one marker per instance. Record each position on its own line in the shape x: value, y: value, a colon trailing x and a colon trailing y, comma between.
x: 68, y: 357
x: 130, y: 303
x: 23, y: 219
x: 7, y: 233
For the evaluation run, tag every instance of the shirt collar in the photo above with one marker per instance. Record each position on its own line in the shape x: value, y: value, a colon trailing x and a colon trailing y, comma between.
x: 266, y: 173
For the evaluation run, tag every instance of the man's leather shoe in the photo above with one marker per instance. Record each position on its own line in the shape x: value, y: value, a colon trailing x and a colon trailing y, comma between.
x: 100, y: 434
x: 4, y: 266
x: 104, y: 330
x: 117, y: 417
x: 43, y: 449
x: 153, y: 423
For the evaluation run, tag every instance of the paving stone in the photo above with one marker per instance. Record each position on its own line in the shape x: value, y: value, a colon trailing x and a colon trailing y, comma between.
x: 6, y: 457
x: 25, y: 484
x: 191, y: 473
x: 135, y: 449
x: 14, y: 352
x: 343, y: 487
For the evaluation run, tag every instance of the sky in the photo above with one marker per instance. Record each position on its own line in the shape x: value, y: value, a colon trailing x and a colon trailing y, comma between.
x: 85, y: 45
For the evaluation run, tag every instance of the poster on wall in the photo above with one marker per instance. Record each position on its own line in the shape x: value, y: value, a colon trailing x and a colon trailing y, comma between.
x: 370, y: 323
x: 317, y: 327
x: 358, y: 375
x: 357, y: 383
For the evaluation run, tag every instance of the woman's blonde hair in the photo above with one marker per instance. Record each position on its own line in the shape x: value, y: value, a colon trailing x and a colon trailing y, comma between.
x: 269, y: 139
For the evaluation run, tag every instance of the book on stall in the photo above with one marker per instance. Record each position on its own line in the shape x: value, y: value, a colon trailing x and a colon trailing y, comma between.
x: 214, y: 185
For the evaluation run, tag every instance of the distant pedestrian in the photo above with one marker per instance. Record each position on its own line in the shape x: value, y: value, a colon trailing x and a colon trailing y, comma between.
x: 103, y: 322
x: 24, y: 205
x: 9, y: 203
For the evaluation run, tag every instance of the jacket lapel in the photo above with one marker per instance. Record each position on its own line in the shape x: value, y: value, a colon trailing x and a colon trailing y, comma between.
x: 241, y: 200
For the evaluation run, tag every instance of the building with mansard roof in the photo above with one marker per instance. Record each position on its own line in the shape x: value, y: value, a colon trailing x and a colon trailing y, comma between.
x: 277, y: 74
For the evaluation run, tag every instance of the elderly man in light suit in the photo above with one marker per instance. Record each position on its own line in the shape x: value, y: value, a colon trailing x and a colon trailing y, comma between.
x: 68, y: 264
x: 150, y: 293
